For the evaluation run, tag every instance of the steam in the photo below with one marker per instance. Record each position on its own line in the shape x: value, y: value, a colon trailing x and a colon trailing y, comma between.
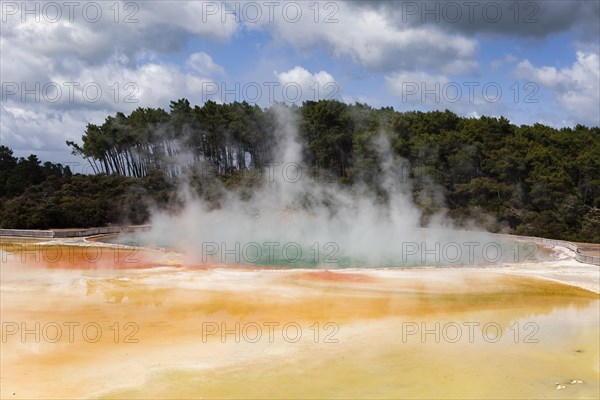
x: 328, y: 222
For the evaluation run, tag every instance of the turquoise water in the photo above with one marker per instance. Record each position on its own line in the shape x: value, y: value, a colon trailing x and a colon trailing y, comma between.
x: 473, y: 251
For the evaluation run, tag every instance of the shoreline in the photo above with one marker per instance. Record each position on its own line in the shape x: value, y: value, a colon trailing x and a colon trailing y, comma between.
x: 588, y: 253
x: 565, y: 269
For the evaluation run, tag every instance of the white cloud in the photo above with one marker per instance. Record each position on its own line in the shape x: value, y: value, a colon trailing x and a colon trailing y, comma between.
x: 137, y: 27
x: 203, y: 63
x: 44, y: 123
x: 576, y: 88
x: 115, y: 58
x: 195, y: 17
x: 307, y: 86
x: 531, y: 19
x: 28, y: 128
x: 370, y: 38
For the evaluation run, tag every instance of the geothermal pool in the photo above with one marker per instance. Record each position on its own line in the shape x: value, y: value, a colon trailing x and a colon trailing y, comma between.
x: 113, y: 324
x: 466, y: 249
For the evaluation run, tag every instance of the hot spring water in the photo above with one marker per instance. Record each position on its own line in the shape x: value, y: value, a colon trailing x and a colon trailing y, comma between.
x: 468, y: 250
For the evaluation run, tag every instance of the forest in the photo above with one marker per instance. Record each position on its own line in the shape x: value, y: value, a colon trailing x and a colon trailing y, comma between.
x: 528, y: 180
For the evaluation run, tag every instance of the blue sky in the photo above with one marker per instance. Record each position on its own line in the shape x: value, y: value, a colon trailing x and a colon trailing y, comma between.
x: 383, y: 53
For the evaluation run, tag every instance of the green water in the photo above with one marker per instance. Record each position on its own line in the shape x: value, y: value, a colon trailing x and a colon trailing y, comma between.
x: 477, y: 251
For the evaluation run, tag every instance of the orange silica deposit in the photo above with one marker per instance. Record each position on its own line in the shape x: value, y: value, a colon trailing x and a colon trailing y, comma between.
x: 84, y: 257
x: 240, y: 267
x: 327, y: 275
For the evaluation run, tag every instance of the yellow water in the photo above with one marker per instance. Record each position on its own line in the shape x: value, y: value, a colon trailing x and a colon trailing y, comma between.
x: 348, y: 334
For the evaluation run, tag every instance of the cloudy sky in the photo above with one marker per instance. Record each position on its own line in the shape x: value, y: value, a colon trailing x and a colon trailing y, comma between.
x: 66, y: 64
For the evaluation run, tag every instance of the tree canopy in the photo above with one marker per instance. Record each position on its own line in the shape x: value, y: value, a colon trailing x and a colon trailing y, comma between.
x: 533, y: 180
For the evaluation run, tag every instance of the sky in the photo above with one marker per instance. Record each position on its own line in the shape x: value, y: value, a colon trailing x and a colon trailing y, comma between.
x: 64, y: 64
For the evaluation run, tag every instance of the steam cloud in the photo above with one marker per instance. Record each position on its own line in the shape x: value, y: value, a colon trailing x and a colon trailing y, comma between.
x: 350, y: 226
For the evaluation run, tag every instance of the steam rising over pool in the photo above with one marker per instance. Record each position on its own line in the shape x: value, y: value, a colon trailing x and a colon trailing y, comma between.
x: 468, y: 249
